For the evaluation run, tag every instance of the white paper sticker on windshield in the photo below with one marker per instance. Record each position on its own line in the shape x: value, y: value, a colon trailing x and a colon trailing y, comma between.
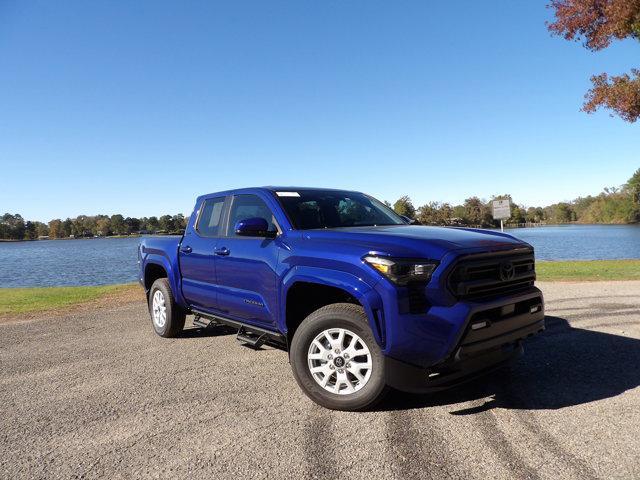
x: 288, y: 194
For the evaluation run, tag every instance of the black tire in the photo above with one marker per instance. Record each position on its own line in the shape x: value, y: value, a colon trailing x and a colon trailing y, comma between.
x: 352, y: 318
x: 175, y: 316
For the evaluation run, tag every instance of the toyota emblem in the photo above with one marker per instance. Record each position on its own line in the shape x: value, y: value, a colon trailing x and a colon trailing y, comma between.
x: 506, y: 271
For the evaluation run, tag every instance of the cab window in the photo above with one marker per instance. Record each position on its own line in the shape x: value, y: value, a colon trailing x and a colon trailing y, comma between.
x: 209, y: 222
x: 250, y: 206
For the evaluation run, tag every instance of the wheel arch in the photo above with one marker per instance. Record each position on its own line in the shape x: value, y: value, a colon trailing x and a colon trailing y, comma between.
x: 306, y: 289
x: 152, y: 272
x: 158, y: 266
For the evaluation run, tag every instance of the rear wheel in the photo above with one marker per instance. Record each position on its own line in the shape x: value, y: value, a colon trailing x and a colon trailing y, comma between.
x: 336, y: 360
x: 167, y: 317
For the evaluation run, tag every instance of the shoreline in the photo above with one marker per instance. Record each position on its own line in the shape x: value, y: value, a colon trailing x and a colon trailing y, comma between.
x: 133, y: 235
x: 506, y: 227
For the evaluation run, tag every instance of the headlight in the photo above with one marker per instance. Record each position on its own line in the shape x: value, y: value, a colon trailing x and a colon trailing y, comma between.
x: 402, y: 271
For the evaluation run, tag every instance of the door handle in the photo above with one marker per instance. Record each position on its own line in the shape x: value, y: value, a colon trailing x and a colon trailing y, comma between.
x: 224, y: 251
x: 186, y: 249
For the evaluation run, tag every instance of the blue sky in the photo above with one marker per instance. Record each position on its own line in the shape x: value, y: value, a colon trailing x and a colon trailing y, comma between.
x: 138, y: 107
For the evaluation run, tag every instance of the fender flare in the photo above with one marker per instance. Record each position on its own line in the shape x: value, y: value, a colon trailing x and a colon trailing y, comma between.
x: 162, y: 261
x: 350, y: 283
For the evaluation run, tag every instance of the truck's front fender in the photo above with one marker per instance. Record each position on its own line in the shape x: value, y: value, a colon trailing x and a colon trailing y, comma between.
x: 353, y: 285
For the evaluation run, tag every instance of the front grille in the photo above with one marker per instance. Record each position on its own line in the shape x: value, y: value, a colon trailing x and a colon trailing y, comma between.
x: 487, y: 275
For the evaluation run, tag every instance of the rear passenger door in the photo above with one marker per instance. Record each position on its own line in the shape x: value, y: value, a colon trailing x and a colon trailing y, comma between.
x: 197, y: 255
x: 246, y: 266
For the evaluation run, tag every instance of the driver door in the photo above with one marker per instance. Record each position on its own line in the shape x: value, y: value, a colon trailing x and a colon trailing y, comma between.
x: 246, y: 266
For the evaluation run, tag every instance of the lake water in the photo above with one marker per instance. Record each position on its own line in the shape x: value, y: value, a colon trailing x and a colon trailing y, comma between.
x: 106, y: 261
x: 97, y: 261
x: 582, y: 242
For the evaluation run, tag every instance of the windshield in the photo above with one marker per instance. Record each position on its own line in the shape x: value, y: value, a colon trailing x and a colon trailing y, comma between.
x: 309, y: 209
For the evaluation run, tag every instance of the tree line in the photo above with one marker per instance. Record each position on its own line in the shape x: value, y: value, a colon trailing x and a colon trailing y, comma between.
x: 15, y: 227
x: 613, y: 205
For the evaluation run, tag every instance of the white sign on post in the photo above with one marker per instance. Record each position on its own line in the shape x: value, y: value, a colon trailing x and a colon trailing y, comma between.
x: 501, y: 210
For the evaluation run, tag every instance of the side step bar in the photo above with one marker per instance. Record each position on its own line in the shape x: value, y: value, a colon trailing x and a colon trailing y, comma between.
x: 198, y: 322
x: 250, y: 335
x: 251, y: 339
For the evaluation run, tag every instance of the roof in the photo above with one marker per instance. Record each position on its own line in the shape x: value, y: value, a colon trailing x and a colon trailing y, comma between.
x: 271, y: 188
x: 293, y: 188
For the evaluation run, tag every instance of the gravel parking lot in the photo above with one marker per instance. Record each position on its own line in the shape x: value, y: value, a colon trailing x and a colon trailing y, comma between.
x: 98, y: 394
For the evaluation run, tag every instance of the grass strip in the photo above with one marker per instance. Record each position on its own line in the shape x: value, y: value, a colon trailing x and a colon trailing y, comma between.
x: 30, y: 300
x: 589, y: 270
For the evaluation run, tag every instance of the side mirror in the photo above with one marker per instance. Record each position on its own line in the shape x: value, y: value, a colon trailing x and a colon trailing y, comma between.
x: 410, y: 221
x: 253, y: 227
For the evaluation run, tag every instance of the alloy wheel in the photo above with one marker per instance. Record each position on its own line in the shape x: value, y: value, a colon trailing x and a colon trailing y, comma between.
x: 339, y: 361
x: 159, y: 308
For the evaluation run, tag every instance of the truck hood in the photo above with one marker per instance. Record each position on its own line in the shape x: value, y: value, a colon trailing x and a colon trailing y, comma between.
x: 416, y: 240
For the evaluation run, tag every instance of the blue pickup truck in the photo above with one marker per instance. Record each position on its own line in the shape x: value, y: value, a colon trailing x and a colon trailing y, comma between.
x: 362, y: 298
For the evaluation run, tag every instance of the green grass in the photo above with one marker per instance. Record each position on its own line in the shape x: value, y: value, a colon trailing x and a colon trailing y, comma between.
x: 31, y: 300
x: 592, y: 270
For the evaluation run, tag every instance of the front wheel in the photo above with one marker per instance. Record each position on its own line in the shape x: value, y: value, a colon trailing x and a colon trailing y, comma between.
x: 166, y: 316
x: 336, y: 360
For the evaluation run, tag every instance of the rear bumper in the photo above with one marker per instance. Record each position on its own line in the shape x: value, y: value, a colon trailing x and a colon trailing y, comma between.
x: 490, y: 338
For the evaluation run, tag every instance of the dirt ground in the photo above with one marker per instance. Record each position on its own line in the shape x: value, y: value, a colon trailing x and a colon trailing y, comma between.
x: 95, y: 393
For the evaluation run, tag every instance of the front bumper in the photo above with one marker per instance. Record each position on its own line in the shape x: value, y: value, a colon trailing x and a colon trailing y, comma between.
x: 491, y: 335
x: 409, y: 378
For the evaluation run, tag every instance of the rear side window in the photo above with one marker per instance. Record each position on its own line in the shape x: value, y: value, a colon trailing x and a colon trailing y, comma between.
x: 209, y: 223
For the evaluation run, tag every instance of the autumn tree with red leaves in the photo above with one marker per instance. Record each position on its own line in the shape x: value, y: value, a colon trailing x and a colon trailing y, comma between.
x: 597, y: 23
